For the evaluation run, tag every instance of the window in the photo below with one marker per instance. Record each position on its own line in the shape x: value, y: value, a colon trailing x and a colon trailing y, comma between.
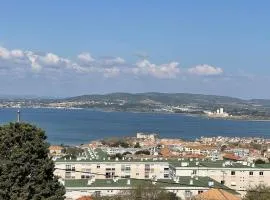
x: 68, y: 175
x: 200, y: 191
x: 97, y: 193
x: 194, y: 171
x: 166, y: 169
x: 73, y: 168
x: 137, y: 174
x: 232, y: 173
x: 127, y: 168
x: 187, y: 193
x: 251, y: 173
x: 108, y: 175
x: 261, y: 173
x: 68, y: 167
x: 98, y: 166
x: 222, y: 182
x: 166, y: 175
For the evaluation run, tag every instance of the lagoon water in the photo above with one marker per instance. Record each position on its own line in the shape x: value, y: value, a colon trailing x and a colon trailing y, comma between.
x: 82, y: 126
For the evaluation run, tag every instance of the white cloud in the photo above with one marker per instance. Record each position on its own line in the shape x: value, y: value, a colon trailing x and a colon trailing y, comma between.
x: 111, y: 72
x: 144, y: 67
x: 4, y: 53
x: 19, y: 61
x: 113, y: 61
x: 85, y: 57
x: 205, y: 70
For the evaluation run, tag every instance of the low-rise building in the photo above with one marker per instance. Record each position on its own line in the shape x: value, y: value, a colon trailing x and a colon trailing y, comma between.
x: 238, y: 176
x: 56, y: 150
x: 184, y: 187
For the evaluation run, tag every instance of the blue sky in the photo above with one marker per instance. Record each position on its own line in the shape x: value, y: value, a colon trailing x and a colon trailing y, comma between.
x: 66, y: 48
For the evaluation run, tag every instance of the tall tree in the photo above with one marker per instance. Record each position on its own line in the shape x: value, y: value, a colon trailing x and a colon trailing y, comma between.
x: 26, y: 171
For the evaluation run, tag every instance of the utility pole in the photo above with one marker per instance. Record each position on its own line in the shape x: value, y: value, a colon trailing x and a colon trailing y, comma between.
x: 18, y: 116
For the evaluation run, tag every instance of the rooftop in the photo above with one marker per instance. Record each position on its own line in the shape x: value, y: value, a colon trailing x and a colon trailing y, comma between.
x: 216, y: 194
x: 184, y: 181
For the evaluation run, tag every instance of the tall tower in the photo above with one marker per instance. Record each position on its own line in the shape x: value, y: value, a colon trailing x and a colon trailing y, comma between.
x: 18, y: 116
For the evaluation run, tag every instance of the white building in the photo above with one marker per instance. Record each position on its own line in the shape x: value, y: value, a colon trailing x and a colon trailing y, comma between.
x: 237, y: 176
x: 184, y: 187
x: 96, y: 174
x: 152, y: 136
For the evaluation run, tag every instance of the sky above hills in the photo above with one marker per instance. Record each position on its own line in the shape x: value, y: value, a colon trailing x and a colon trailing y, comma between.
x: 68, y: 48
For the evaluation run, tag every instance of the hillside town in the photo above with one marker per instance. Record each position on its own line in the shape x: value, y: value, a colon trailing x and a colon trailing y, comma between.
x: 190, y: 169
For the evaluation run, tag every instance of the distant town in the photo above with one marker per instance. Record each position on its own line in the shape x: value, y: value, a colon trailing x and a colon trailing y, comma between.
x: 108, y: 166
x: 195, y: 104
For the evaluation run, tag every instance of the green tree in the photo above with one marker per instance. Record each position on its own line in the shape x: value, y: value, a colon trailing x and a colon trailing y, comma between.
x: 259, y: 161
x: 259, y: 192
x: 145, y: 191
x: 137, y: 145
x: 26, y: 171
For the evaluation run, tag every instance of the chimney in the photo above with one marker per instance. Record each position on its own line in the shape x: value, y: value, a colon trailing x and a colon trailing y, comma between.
x: 109, y: 158
x: 210, y: 183
x: 191, y: 182
x: 89, y: 182
x: 128, y: 181
x: 177, y: 179
x: 116, y: 159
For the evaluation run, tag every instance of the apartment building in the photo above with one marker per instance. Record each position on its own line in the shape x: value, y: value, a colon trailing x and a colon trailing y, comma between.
x: 83, y: 173
x: 236, y: 175
x: 106, y: 169
x: 183, y: 187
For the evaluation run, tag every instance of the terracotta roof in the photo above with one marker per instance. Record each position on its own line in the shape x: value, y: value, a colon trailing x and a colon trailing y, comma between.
x: 216, y: 194
x: 231, y: 157
x: 85, y: 198
x: 201, y: 147
x: 56, y: 148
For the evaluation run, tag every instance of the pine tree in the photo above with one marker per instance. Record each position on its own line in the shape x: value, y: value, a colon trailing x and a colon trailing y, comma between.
x: 26, y: 171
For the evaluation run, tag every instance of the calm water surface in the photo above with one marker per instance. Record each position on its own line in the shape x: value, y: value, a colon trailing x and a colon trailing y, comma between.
x: 81, y: 126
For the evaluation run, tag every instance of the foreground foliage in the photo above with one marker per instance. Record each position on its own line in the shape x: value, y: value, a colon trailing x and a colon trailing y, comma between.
x: 26, y: 171
x: 260, y: 192
x: 146, y: 191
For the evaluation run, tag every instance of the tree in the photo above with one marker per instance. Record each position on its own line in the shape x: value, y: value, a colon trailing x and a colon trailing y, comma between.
x: 145, y: 191
x: 259, y: 192
x: 26, y: 171
x: 259, y: 161
x: 145, y: 152
x: 137, y: 145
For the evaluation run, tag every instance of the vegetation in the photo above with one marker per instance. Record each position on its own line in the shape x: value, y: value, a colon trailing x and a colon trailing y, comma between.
x: 146, y: 191
x: 145, y: 152
x: 115, y: 142
x: 26, y: 171
x: 72, y: 152
x: 118, y: 155
x: 259, y: 161
x: 137, y: 145
x: 260, y: 192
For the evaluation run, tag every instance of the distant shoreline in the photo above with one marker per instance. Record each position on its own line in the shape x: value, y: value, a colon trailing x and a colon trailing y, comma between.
x: 234, y: 118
